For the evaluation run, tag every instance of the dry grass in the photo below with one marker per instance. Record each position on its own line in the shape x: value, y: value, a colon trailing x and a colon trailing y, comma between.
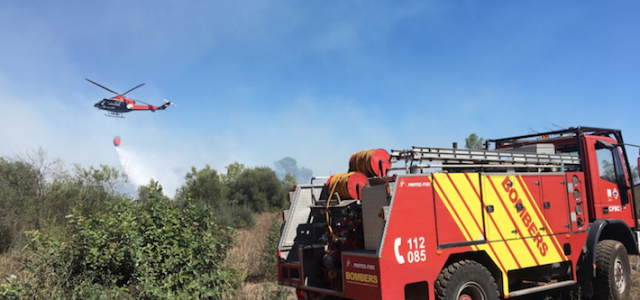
x: 11, y: 263
x: 248, y: 255
x: 263, y: 291
x: 247, y: 252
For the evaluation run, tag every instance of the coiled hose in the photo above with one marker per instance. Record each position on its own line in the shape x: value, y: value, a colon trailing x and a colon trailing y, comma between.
x: 363, y: 164
x: 374, y: 162
x: 347, y: 186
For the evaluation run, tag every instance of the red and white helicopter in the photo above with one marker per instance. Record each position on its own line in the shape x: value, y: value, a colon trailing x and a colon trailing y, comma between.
x: 116, y: 106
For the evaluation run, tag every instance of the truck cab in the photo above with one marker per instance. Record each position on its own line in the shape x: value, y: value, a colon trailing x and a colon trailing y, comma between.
x: 604, y: 163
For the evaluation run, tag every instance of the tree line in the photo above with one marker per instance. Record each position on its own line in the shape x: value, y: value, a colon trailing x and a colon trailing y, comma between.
x: 80, y: 237
x: 37, y: 192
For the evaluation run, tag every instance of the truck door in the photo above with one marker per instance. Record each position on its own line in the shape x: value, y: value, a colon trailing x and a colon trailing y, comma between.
x: 554, y: 204
x: 549, y: 193
x: 609, y: 184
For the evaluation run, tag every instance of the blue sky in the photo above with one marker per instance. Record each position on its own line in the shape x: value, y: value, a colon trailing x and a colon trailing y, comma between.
x: 256, y: 81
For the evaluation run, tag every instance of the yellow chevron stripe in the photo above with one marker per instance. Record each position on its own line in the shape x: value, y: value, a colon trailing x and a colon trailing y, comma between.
x: 438, y: 186
x: 468, y: 207
x: 509, y: 251
x: 472, y: 214
x: 542, y: 245
x: 549, y: 230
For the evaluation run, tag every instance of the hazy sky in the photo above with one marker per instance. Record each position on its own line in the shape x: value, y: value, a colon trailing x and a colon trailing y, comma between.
x: 256, y: 81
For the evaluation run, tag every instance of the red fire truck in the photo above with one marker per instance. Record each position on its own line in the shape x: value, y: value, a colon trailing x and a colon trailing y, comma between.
x: 528, y: 214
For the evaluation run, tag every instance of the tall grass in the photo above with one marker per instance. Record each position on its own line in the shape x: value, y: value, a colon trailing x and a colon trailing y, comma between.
x: 254, y: 254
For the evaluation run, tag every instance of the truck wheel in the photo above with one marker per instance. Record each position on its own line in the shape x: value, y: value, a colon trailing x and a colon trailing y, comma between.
x: 466, y: 280
x: 613, y: 279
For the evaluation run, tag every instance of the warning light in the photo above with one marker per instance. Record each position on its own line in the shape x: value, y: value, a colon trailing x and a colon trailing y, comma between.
x: 301, y: 294
x: 575, y: 180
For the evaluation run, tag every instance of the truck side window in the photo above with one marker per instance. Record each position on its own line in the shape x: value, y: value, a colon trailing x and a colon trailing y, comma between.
x: 606, y: 165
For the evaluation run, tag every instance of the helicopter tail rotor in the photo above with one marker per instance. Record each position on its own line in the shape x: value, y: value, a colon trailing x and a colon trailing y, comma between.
x: 170, y: 103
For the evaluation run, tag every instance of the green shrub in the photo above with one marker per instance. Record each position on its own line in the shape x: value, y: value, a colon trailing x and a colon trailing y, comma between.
x: 269, y: 253
x: 235, y: 216
x: 152, y: 250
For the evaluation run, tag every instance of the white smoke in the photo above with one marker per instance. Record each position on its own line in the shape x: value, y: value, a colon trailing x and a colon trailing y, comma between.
x: 141, y: 169
x: 131, y: 166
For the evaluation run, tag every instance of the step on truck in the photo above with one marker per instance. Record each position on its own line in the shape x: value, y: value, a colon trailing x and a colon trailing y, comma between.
x: 535, y: 213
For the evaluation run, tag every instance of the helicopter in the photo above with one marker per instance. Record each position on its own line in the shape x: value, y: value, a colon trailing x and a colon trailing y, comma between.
x: 116, y: 106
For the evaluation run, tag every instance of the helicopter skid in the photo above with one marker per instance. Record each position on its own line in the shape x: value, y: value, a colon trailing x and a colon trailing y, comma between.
x: 114, y: 115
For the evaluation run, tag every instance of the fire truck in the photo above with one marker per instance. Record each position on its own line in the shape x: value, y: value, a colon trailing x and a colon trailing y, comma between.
x: 526, y: 215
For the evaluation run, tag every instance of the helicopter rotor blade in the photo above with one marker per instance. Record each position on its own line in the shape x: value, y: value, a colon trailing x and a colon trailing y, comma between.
x: 136, y: 100
x: 132, y: 89
x: 101, y: 86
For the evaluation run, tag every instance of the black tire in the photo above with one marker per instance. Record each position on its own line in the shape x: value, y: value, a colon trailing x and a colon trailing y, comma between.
x: 613, y: 280
x: 466, y: 277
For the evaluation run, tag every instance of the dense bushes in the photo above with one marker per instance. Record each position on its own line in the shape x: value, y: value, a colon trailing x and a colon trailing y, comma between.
x: 85, y: 240
x: 36, y: 191
x: 150, y: 250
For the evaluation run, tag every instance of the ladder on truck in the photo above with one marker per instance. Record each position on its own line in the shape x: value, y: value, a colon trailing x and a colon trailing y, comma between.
x: 419, y: 158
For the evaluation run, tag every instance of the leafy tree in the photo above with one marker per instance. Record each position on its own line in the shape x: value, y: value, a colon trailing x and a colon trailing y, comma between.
x: 95, y: 186
x: 473, y: 142
x: 42, y: 170
x: 18, y: 181
x: 233, y: 172
x: 204, y: 187
x: 289, y: 165
x: 258, y: 188
x: 36, y: 190
x: 106, y: 177
x: 18, y: 186
x: 145, y: 190
x: 289, y: 181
